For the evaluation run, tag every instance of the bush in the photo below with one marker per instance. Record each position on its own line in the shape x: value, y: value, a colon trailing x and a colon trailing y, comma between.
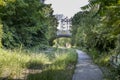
x: 18, y: 64
x: 13, y: 63
x: 0, y: 35
x: 61, y: 67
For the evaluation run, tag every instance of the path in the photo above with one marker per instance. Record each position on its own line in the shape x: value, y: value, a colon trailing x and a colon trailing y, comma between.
x: 85, y: 69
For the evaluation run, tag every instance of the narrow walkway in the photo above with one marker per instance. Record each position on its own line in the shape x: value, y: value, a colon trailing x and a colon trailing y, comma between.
x: 85, y: 69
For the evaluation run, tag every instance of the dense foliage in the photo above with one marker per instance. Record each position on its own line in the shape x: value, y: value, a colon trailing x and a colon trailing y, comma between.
x: 99, y: 26
x: 0, y: 35
x: 26, y: 23
x: 97, y: 29
x: 62, y: 42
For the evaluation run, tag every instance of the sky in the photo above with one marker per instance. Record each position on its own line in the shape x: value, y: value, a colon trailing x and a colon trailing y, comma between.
x: 66, y: 7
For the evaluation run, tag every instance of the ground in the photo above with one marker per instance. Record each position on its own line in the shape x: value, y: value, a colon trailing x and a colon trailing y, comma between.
x: 86, y: 69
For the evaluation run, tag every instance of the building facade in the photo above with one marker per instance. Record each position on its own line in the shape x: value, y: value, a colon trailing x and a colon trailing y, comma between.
x: 64, y: 24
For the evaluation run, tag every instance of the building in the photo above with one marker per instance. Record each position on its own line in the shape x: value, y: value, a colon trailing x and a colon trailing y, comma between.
x: 64, y: 24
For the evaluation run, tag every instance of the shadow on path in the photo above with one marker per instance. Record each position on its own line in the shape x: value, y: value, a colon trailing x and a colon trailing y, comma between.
x: 85, y: 69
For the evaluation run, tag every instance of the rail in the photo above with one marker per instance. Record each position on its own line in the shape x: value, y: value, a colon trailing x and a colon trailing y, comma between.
x: 115, y: 60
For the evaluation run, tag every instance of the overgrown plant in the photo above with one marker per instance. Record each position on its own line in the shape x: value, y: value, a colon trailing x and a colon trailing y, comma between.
x: 96, y: 29
x: 1, y: 34
x: 27, y: 22
x: 55, y: 65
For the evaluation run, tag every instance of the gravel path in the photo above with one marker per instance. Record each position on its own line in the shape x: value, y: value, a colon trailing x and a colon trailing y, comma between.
x: 85, y: 69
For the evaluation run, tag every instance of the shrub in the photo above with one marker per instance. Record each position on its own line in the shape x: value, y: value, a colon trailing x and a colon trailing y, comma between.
x: 0, y: 35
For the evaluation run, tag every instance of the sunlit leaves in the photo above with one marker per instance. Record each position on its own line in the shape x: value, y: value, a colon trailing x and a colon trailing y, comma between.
x: 26, y: 22
x: 102, y: 30
x: 2, y: 3
x: 1, y: 32
x: 5, y: 2
x: 100, y: 23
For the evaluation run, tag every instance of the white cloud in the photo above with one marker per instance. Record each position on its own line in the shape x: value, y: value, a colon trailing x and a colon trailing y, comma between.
x: 66, y: 7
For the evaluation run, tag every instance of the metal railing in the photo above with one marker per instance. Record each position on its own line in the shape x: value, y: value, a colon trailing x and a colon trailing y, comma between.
x: 64, y: 33
x: 115, y: 60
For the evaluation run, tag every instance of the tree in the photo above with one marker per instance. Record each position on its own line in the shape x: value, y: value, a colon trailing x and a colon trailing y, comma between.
x: 25, y: 22
x: 0, y: 34
x: 101, y: 24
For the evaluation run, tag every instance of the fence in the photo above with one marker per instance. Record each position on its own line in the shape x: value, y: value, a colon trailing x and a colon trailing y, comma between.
x: 115, y: 60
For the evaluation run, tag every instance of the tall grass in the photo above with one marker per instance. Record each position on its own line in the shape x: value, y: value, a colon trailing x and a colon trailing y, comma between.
x: 61, y: 67
x: 13, y: 63
x: 55, y: 65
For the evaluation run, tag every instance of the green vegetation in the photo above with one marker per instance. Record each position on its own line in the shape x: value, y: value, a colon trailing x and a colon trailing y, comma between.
x: 0, y: 35
x: 62, y: 42
x: 30, y: 25
x: 26, y: 22
x: 96, y: 29
x: 53, y: 65
x: 27, y: 29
